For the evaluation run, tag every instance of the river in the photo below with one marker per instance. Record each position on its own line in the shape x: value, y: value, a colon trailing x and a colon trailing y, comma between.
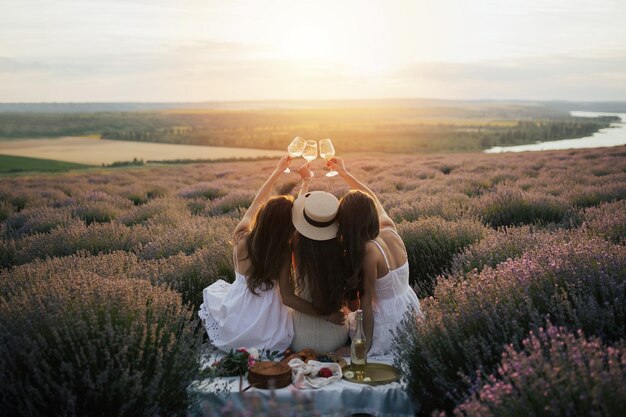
x: 611, y: 136
x: 91, y: 151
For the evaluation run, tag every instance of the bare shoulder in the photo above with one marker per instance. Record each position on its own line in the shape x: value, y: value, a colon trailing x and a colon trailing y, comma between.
x: 241, y: 244
x: 372, y: 252
x: 389, y: 234
x: 370, y: 248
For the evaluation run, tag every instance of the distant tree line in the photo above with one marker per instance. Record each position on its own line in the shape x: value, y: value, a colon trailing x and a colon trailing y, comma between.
x: 377, y: 130
x: 119, y: 164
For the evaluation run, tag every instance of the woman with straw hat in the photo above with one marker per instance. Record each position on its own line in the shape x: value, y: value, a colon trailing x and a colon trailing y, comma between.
x: 319, y: 270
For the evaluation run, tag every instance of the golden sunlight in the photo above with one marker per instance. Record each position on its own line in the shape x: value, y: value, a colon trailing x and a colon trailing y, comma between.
x: 352, y: 40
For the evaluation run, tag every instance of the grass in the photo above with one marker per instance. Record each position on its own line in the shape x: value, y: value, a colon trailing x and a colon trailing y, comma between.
x: 15, y: 164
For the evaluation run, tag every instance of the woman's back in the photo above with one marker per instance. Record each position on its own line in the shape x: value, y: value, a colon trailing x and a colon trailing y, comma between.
x: 315, y: 332
x: 320, y: 271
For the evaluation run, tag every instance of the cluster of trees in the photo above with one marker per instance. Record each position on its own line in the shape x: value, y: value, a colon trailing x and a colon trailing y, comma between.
x: 362, y: 129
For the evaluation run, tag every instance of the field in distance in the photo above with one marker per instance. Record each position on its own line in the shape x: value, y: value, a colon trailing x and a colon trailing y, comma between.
x: 15, y: 164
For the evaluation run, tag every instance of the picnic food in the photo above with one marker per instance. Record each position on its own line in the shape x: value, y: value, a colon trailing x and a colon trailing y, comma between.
x: 325, y: 373
x: 267, y: 374
x: 311, y: 354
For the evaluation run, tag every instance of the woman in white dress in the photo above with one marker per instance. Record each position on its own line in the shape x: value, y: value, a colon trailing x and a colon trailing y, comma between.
x: 377, y: 263
x: 249, y: 312
x: 319, y: 270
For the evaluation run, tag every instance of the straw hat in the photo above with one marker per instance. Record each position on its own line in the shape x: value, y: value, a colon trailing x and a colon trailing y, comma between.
x: 314, y: 214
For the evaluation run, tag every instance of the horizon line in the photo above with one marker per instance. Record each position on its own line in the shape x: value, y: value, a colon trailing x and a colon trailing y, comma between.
x: 521, y: 100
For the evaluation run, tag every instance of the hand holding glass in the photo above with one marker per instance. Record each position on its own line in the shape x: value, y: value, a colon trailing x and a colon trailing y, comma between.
x: 310, y: 152
x: 295, y: 149
x: 327, y: 151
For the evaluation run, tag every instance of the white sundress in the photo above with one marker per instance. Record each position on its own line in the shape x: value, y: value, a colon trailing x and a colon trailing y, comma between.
x: 234, y: 317
x: 394, y: 298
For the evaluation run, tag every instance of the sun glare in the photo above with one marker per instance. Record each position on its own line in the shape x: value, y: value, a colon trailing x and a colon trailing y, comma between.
x: 336, y: 39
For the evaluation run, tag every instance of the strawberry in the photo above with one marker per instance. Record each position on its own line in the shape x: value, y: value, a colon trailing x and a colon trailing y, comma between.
x: 325, y: 373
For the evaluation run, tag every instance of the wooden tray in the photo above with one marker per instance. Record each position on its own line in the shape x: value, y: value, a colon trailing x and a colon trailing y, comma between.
x: 380, y: 373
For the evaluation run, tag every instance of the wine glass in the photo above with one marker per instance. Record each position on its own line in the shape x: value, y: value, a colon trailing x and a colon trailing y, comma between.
x: 327, y: 151
x: 310, y: 152
x: 295, y: 149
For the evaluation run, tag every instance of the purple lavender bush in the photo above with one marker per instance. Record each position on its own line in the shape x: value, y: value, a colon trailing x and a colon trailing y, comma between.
x: 607, y: 220
x: 596, y: 194
x: 501, y: 245
x: 204, y: 190
x: 95, y: 238
x: 579, y: 284
x: 170, y: 227
x: 79, y: 344
x: 556, y: 373
x: 6, y: 209
x: 191, y: 235
x: 95, y: 212
x: 431, y: 243
x: 37, y: 220
x: 510, y: 206
x: 185, y: 274
x: 156, y: 211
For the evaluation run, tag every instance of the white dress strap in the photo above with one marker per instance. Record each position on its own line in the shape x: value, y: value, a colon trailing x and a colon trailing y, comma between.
x: 383, y: 252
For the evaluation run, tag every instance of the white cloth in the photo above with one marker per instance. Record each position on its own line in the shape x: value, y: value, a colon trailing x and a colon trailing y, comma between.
x: 234, y: 317
x: 305, y: 374
x: 332, y: 400
x: 394, y: 298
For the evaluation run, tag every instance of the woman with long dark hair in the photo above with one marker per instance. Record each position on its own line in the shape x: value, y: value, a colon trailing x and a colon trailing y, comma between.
x: 249, y: 312
x: 319, y: 272
x: 376, y: 262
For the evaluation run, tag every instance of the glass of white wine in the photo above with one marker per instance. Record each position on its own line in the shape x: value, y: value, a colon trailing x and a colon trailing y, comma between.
x: 295, y: 149
x: 327, y: 151
x: 310, y: 152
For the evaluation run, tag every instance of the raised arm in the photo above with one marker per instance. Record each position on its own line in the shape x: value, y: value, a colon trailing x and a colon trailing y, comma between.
x: 383, y: 218
x: 261, y: 197
x: 305, y: 174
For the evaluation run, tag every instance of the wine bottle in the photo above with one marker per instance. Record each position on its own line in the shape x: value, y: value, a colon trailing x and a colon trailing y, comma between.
x: 358, y: 349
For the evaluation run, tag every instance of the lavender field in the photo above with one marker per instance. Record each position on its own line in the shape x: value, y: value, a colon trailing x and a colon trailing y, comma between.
x: 519, y: 261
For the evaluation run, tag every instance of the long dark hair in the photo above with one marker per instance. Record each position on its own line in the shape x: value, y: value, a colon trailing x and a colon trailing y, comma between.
x: 268, y: 243
x: 320, y: 269
x: 358, y: 223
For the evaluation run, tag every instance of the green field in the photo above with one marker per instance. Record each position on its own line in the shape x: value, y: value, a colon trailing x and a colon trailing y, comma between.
x: 14, y: 164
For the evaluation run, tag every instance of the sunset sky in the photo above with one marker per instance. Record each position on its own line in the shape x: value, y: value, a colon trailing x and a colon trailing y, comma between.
x: 205, y: 50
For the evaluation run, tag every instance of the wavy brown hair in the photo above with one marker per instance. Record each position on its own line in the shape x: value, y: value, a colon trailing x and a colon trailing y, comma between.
x: 268, y: 243
x: 358, y: 223
x: 320, y: 269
